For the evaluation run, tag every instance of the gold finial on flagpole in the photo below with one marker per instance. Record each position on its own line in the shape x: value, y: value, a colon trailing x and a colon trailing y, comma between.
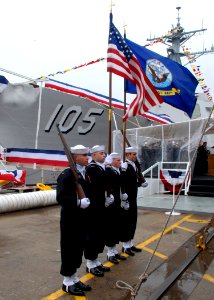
x: 124, y: 27
x: 112, y: 4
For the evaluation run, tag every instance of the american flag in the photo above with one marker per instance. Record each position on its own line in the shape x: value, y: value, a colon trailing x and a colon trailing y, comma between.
x: 122, y: 61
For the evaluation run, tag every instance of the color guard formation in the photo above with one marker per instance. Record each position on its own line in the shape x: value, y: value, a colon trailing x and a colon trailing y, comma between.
x: 106, y: 216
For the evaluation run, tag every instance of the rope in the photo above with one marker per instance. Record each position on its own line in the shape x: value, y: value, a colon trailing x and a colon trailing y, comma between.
x: 124, y: 285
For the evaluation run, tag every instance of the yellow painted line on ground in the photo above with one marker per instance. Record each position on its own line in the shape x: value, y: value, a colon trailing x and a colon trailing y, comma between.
x: 88, y: 276
x: 198, y: 221
x: 157, y: 236
x: 156, y: 253
x: 186, y: 229
x: 60, y: 293
x: 54, y: 296
x: 208, y: 278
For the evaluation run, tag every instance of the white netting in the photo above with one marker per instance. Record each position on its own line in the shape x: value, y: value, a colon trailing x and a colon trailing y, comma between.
x: 168, y: 143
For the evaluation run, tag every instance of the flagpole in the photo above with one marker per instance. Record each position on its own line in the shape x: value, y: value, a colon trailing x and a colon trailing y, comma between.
x: 124, y: 111
x: 110, y: 103
x: 124, y: 128
x: 110, y: 113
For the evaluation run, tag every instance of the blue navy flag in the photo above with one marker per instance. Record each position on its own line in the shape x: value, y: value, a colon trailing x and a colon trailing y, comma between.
x: 175, y: 83
x: 3, y: 83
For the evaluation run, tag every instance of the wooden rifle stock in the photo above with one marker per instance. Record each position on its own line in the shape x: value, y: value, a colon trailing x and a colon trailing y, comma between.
x: 72, y: 166
x: 140, y: 175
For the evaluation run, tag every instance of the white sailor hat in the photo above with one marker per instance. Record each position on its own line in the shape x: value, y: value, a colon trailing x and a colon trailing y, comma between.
x: 97, y: 148
x: 115, y: 155
x: 79, y: 149
x: 131, y: 150
x: 108, y: 159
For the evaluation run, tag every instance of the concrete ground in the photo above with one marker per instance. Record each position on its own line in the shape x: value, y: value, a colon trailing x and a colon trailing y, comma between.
x: 30, y: 255
x: 184, y: 204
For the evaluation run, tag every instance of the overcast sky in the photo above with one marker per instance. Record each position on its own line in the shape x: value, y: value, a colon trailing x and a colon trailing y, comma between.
x: 45, y: 36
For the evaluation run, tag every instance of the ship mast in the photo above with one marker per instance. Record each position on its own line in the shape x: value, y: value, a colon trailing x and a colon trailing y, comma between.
x: 177, y: 37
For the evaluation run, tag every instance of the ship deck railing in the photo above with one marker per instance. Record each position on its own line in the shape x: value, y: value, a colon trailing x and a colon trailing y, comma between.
x: 152, y: 175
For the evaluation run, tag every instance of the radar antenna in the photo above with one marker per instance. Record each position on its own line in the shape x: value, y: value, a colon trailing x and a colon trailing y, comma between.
x: 176, y: 37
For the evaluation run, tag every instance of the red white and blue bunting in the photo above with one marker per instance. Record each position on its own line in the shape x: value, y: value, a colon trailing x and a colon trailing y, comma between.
x: 172, y: 178
x: 44, y: 159
x: 17, y: 176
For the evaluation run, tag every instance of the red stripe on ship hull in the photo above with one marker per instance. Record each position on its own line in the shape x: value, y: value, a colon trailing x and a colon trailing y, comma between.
x: 53, y: 163
x: 80, y: 94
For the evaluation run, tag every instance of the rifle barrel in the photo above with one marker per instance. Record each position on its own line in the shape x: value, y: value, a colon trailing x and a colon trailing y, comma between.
x: 72, y: 165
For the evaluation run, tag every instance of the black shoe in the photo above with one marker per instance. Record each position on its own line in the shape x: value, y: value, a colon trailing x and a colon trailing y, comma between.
x: 135, y: 249
x: 128, y: 251
x: 82, y: 286
x: 72, y: 290
x: 120, y: 257
x: 113, y: 260
x: 103, y: 268
x: 95, y: 272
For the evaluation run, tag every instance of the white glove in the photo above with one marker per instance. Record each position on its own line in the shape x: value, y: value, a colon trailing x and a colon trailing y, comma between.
x: 125, y: 204
x: 145, y: 184
x: 124, y: 166
x: 109, y: 200
x: 84, y: 202
x: 124, y: 197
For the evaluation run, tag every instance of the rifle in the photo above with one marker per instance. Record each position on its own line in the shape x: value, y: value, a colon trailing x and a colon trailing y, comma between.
x: 72, y: 165
x: 137, y: 163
